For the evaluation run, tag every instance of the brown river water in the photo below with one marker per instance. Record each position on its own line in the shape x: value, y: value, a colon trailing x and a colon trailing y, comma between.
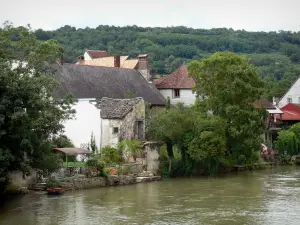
x: 269, y: 196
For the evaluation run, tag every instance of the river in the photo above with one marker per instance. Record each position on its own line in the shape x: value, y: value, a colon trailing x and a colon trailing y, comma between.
x: 261, y: 197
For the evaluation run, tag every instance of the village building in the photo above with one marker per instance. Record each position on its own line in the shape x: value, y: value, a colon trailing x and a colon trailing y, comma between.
x: 291, y: 114
x: 273, y: 121
x: 178, y: 87
x: 90, y: 84
x: 121, y: 119
x: 292, y: 95
x: 102, y: 58
x: 95, y: 54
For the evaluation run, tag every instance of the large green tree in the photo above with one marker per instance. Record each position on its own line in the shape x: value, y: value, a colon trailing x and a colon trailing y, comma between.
x: 228, y: 85
x: 29, y: 116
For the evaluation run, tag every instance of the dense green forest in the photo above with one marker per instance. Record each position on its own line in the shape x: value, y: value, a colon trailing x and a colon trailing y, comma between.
x: 276, y: 54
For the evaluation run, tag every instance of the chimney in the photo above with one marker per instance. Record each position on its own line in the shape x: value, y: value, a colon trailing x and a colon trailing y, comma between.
x: 81, y: 59
x: 117, y: 61
x: 143, y: 65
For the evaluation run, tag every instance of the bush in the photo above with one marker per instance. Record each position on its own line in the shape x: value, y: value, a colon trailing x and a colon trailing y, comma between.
x: 287, y: 142
x: 97, y: 163
x: 52, y: 183
x: 110, y: 155
x: 241, y: 159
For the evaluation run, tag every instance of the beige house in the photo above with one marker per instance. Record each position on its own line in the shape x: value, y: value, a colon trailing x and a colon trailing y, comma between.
x: 102, y: 58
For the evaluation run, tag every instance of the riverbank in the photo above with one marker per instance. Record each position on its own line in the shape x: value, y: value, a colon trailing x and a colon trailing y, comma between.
x: 79, y: 183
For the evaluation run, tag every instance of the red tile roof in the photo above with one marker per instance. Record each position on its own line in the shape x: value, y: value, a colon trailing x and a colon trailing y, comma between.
x: 179, y: 79
x: 291, y: 112
x: 97, y: 54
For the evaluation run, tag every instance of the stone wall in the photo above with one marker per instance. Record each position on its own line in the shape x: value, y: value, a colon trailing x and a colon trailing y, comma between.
x: 18, y: 179
x: 151, y: 150
x: 112, y: 180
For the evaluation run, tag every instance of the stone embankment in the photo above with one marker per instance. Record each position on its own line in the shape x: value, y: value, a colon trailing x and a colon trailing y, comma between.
x: 111, y: 180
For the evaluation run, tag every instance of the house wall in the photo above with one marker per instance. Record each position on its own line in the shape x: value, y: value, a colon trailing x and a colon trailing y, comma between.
x: 186, y: 96
x: 87, y: 120
x: 126, y: 126
x: 87, y: 56
x: 293, y: 93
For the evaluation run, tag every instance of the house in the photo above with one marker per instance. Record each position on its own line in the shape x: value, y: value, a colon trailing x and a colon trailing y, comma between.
x: 89, y: 84
x: 95, y: 54
x: 121, y: 119
x: 178, y: 87
x: 273, y: 121
x: 141, y: 63
x: 292, y: 95
x: 291, y: 114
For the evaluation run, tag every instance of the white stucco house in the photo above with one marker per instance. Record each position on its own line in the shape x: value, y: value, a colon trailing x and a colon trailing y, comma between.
x: 178, y: 87
x: 121, y: 119
x: 292, y: 95
x: 90, y: 84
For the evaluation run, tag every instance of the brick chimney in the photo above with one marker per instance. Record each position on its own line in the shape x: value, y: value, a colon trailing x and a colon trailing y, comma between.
x: 81, y: 59
x: 143, y: 65
x: 117, y: 61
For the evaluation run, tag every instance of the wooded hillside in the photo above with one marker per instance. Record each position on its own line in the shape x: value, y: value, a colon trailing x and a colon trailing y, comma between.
x: 276, y: 54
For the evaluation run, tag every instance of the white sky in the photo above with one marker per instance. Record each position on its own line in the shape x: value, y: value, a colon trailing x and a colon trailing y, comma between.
x: 251, y: 15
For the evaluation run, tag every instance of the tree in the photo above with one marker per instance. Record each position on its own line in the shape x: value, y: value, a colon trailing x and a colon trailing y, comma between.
x: 229, y: 85
x: 92, y: 145
x: 29, y: 116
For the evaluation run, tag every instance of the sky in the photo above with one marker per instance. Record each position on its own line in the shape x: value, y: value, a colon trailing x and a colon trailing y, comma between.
x: 251, y: 15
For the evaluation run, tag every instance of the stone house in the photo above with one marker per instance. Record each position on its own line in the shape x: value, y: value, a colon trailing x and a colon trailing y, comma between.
x: 178, y: 87
x: 88, y: 85
x: 292, y: 95
x: 121, y: 119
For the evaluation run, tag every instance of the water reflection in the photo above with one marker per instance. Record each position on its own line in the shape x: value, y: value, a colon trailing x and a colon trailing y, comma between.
x: 260, y: 197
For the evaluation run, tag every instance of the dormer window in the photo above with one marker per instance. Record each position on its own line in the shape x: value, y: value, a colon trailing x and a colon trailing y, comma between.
x: 289, y: 100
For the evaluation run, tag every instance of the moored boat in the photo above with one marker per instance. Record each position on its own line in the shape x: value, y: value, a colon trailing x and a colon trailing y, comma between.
x: 55, y: 191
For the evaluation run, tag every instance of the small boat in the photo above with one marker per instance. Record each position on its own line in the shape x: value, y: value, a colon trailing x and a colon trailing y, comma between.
x: 55, y: 191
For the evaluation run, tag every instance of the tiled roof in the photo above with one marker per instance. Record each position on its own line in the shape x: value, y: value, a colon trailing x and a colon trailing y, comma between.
x: 130, y: 63
x: 291, y: 112
x: 105, y: 61
x: 97, y: 82
x: 97, y: 54
x: 179, y: 79
x: 116, y: 108
x: 263, y: 103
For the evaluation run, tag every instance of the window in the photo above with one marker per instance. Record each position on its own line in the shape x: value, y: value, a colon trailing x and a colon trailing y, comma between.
x: 116, y: 130
x: 176, y: 93
x: 289, y: 100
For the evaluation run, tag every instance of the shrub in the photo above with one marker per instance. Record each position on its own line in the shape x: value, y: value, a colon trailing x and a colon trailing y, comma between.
x: 241, y: 159
x: 52, y: 183
x: 132, y: 146
x: 287, y: 142
x: 110, y: 154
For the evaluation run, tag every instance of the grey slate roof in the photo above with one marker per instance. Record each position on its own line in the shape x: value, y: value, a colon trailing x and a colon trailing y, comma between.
x: 98, y: 82
x: 116, y: 108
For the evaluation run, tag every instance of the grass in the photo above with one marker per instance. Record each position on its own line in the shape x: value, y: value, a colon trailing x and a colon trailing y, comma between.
x: 77, y: 164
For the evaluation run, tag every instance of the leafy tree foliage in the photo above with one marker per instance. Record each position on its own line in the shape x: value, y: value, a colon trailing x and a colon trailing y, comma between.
x: 29, y: 116
x: 230, y: 85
